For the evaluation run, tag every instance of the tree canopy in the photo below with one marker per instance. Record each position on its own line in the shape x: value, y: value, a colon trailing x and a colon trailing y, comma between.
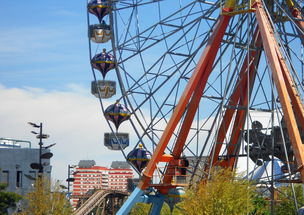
x: 286, y: 203
x: 223, y: 194
x: 46, y: 200
x: 7, y: 199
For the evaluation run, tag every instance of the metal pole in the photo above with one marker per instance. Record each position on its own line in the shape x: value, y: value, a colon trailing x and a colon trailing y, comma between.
x: 272, y: 153
x: 40, y: 151
x: 69, y: 181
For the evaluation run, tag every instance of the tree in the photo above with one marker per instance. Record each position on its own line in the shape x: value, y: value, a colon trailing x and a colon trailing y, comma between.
x: 7, y: 199
x: 223, y: 194
x: 44, y: 200
x: 285, y: 204
x: 261, y: 205
x: 144, y: 209
x: 140, y: 209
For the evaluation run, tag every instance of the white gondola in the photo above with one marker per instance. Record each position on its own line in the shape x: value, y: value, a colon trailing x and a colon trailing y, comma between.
x: 100, y: 33
x: 110, y: 140
x: 106, y: 89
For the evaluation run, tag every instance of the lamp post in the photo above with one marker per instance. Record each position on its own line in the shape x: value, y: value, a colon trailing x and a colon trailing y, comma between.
x: 47, y: 155
x: 70, y: 179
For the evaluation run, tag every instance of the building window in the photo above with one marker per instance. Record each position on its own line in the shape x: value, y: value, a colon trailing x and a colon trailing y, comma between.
x: 5, y: 177
x: 19, y: 179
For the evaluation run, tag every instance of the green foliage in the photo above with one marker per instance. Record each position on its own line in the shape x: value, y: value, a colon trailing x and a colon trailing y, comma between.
x: 2, y: 187
x: 285, y: 204
x: 7, y: 199
x: 46, y: 201
x: 260, y: 206
x: 140, y: 209
x: 227, y: 194
x: 223, y: 194
x: 143, y: 209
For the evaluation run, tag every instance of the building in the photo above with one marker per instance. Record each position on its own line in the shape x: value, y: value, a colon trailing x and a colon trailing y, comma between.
x: 119, y: 173
x: 118, y: 179
x: 16, y: 157
x: 88, y: 177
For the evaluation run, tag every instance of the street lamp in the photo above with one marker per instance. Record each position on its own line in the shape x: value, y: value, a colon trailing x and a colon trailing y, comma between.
x: 47, y: 155
x: 70, y: 179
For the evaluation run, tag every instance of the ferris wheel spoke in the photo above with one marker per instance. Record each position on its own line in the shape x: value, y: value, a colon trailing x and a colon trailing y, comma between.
x: 200, y: 129
x: 260, y: 88
x: 159, y: 87
x: 156, y: 115
x: 127, y: 43
x: 294, y: 18
x: 165, y: 71
x: 182, y: 20
x: 126, y: 46
x: 219, y: 78
x: 126, y: 4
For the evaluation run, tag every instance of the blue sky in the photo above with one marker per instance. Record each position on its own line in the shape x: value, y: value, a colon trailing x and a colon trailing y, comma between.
x: 45, y: 77
x: 43, y: 43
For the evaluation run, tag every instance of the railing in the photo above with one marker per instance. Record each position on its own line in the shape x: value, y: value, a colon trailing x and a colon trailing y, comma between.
x: 95, y: 200
x: 179, y: 176
x: 14, y: 142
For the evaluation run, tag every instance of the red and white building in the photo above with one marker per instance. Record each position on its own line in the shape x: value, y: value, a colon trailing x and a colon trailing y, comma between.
x: 118, y: 178
x: 87, y: 176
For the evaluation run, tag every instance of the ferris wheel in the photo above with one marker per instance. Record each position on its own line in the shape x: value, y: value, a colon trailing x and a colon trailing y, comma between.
x: 200, y: 84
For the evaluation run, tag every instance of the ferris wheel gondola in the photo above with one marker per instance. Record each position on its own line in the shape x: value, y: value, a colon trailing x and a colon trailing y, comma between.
x: 100, y: 8
x: 100, y: 33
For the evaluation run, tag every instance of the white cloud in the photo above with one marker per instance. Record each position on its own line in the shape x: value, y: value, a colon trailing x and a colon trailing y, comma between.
x: 73, y: 120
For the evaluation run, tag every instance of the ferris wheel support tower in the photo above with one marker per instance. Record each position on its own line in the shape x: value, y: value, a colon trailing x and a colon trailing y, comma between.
x: 265, y: 36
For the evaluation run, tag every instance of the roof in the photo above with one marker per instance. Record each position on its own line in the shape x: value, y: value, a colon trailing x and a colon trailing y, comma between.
x: 86, y: 163
x: 120, y: 165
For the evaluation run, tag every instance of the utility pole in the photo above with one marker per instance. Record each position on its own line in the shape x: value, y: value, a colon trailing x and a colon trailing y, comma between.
x: 70, y: 179
x: 40, y: 150
x: 47, y: 155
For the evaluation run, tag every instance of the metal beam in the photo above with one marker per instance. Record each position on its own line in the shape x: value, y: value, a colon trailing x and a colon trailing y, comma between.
x: 237, y: 99
x: 210, y: 50
x: 277, y: 65
x: 299, y: 18
x: 254, y: 58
